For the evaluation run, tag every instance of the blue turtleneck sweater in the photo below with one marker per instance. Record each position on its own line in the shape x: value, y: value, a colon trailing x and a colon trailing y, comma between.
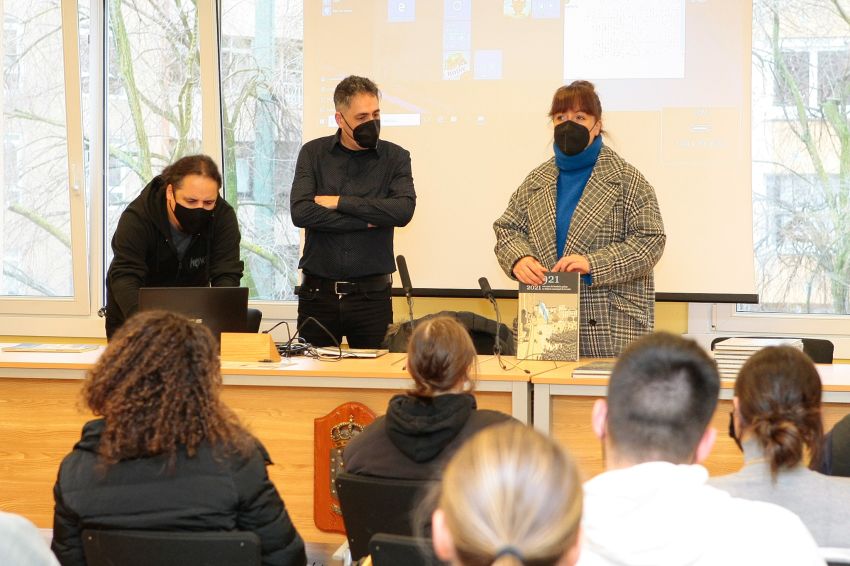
x: 573, y: 174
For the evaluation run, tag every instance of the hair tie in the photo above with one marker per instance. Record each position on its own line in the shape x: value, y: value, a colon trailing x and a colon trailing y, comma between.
x: 505, y: 550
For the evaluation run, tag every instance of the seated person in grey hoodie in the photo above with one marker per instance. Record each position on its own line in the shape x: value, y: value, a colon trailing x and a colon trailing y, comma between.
x: 777, y: 420
x: 425, y: 426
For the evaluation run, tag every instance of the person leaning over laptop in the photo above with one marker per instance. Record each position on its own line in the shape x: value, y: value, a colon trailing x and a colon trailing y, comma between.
x: 179, y: 232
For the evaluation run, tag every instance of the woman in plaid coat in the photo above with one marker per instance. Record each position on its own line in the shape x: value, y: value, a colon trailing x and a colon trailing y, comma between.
x: 587, y: 210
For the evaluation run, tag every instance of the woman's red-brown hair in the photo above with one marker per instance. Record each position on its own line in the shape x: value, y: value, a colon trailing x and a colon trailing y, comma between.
x: 578, y: 95
x: 157, y: 386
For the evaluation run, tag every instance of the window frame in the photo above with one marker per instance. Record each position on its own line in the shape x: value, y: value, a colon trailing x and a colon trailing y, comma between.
x: 79, y: 303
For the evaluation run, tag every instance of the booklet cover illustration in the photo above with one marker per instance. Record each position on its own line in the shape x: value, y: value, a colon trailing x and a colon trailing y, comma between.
x: 548, y: 323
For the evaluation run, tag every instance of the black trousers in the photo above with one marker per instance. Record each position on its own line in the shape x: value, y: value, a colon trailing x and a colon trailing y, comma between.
x: 361, y: 317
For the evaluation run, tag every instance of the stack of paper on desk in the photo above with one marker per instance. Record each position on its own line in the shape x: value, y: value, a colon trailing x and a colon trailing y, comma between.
x: 731, y: 354
x: 599, y: 368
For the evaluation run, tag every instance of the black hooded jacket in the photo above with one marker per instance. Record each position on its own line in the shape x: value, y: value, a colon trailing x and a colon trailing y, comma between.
x: 417, y: 436
x: 211, y: 491
x: 145, y: 256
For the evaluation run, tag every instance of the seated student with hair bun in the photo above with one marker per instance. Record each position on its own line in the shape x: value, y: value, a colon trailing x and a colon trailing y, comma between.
x: 425, y: 426
x: 777, y: 421
x: 510, y: 496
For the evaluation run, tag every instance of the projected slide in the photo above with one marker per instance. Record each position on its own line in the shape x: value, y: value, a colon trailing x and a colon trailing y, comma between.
x: 467, y: 86
x: 624, y: 40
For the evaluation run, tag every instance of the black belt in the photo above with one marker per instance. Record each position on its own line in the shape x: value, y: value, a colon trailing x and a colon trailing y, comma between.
x: 348, y: 286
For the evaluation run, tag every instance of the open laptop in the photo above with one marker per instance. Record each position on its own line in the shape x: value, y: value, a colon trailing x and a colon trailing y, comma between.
x: 221, y: 309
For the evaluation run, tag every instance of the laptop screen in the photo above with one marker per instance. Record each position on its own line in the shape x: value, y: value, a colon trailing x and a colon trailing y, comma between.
x: 221, y: 309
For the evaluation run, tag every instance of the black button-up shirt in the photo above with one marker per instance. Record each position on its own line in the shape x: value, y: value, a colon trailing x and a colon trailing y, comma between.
x: 375, y: 187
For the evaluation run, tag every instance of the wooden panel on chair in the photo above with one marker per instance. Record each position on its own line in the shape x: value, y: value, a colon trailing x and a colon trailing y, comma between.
x: 330, y: 435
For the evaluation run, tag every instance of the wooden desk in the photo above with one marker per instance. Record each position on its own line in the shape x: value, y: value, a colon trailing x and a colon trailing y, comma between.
x: 563, y: 404
x: 41, y: 416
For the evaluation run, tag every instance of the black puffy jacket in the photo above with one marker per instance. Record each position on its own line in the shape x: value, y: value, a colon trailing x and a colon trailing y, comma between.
x: 209, y: 492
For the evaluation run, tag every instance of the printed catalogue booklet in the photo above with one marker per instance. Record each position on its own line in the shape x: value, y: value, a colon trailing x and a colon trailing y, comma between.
x: 548, y: 321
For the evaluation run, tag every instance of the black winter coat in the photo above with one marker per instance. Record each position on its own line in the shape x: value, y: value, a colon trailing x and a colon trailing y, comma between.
x: 417, y: 436
x: 209, y: 492
x: 145, y: 256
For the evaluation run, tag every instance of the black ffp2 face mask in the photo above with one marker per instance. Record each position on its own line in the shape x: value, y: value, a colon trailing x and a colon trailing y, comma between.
x: 732, y: 432
x: 192, y: 220
x: 366, y: 134
x: 571, y: 137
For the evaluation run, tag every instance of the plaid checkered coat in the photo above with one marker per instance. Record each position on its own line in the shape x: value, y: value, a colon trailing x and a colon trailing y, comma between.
x: 617, y: 226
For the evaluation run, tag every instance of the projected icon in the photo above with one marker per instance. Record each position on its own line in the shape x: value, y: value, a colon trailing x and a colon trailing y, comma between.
x: 401, y: 10
x: 455, y: 65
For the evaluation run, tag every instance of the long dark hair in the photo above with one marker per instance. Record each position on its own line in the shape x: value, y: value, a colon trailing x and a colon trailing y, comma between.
x: 157, y: 386
x: 202, y: 165
x: 779, y: 396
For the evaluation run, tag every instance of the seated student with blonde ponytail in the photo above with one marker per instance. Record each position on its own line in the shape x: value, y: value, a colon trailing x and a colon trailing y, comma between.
x: 425, y: 426
x: 777, y: 422
x: 509, y: 496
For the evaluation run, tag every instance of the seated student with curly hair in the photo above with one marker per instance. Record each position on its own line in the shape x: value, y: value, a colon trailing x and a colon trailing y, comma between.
x: 167, y: 454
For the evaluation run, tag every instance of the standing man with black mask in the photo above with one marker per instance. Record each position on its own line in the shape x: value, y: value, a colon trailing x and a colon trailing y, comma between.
x: 350, y: 192
x: 178, y: 232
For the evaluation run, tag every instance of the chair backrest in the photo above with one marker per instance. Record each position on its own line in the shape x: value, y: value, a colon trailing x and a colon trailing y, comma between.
x: 483, y: 331
x: 392, y: 550
x: 835, y: 459
x: 158, y: 548
x: 255, y: 317
x: 819, y: 350
x: 836, y: 556
x: 377, y: 505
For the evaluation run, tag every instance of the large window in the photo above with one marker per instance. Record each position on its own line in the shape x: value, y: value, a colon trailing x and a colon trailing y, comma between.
x: 156, y: 99
x: 43, y: 239
x: 261, y: 88
x: 801, y: 156
x: 98, y: 98
x: 153, y: 101
x: 801, y: 174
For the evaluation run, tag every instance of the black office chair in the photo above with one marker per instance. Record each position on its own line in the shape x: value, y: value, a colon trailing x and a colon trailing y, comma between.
x: 482, y: 330
x: 392, y: 550
x: 835, y: 453
x: 255, y: 317
x: 818, y: 349
x: 159, y: 548
x: 377, y: 505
